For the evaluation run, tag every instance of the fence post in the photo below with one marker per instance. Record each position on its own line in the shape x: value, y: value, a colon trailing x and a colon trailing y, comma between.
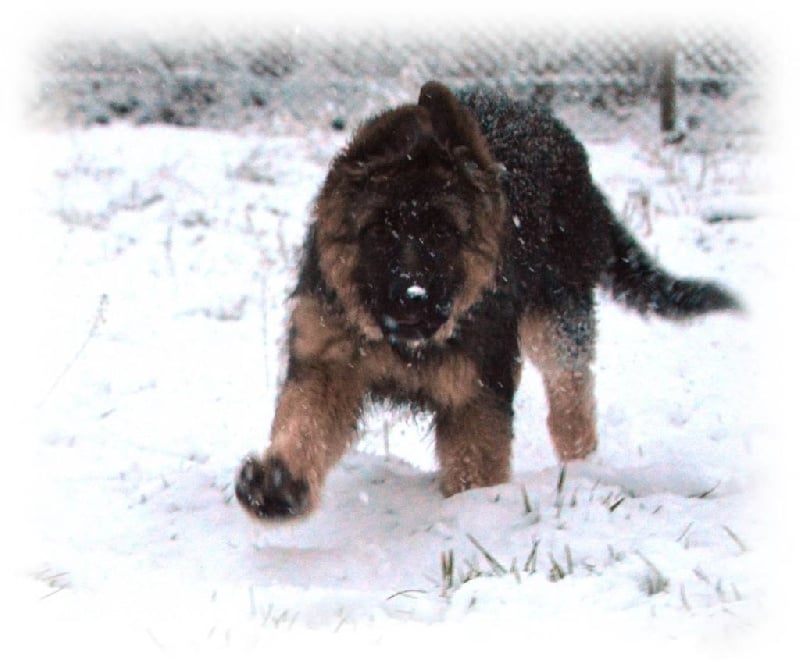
x: 666, y: 86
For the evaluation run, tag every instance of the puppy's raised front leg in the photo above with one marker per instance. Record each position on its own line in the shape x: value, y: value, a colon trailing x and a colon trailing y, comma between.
x: 315, y: 421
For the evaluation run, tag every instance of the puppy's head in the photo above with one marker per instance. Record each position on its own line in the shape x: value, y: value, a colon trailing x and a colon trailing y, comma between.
x: 410, y: 219
x: 410, y: 266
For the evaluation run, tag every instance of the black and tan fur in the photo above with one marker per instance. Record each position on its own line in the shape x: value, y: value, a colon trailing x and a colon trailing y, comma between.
x: 451, y: 238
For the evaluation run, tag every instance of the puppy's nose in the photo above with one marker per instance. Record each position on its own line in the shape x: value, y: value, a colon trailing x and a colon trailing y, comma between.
x: 408, y: 290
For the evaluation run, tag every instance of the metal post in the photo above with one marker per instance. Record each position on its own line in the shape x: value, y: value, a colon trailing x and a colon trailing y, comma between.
x: 667, y: 88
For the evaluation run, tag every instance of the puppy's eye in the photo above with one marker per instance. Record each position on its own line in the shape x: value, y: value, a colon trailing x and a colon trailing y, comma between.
x: 446, y: 227
x: 462, y: 152
x: 377, y: 235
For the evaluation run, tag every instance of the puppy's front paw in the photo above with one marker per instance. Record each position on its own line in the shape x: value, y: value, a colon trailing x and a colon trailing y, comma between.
x: 268, y: 491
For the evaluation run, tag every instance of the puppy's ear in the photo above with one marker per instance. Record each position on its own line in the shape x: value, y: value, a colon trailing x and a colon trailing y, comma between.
x: 453, y: 125
x: 392, y: 133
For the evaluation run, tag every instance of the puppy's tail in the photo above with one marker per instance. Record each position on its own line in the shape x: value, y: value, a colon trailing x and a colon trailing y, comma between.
x: 635, y: 279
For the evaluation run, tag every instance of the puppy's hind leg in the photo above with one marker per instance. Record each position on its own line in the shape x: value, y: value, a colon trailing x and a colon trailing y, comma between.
x: 562, y: 347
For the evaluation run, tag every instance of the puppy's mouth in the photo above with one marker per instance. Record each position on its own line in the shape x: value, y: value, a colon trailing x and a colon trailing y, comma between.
x: 413, y: 330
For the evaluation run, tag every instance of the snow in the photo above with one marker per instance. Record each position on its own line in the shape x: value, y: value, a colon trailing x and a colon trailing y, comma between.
x: 166, y: 256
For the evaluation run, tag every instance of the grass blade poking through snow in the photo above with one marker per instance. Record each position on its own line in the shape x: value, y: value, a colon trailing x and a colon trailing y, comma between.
x: 562, y: 477
x: 448, y: 571
x: 655, y: 582
x: 99, y: 321
x: 530, y: 563
x: 499, y: 569
x: 735, y: 537
x: 531, y: 508
x: 557, y: 572
x: 526, y: 501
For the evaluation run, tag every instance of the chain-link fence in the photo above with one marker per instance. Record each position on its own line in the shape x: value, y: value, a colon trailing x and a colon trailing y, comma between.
x: 307, y: 76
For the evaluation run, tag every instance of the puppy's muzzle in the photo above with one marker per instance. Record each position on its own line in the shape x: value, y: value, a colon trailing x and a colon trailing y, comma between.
x: 414, y: 313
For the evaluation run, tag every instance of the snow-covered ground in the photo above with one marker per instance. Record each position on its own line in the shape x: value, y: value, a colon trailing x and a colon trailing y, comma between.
x: 166, y: 257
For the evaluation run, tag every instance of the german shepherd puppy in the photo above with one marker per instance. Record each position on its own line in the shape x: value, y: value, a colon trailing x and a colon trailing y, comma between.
x: 451, y: 237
